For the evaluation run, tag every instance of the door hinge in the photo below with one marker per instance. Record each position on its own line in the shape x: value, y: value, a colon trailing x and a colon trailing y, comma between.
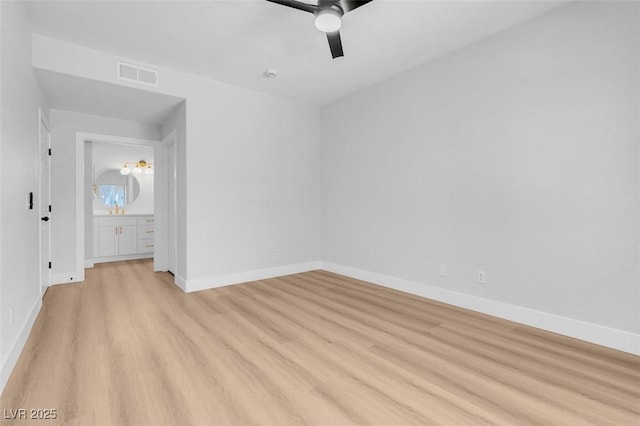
x: 49, y: 265
x: 49, y: 208
x: 49, y: 151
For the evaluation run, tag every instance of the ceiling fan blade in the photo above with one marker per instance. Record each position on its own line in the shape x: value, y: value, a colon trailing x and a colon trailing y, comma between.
x: 335, y: 43
x: 296, y: 5
x: 349, y: 5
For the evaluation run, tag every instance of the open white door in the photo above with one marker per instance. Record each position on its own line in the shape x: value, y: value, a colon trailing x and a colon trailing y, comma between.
x: 44, y: 203
x: 164, y: 256
x: 172, y: 209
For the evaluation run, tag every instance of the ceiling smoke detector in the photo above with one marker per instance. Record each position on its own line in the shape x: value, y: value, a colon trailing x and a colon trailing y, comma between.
x: 270, y: 74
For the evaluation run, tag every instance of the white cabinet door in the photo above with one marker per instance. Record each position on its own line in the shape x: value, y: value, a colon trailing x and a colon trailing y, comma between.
x: 108, y: 241
x: 128, y: 239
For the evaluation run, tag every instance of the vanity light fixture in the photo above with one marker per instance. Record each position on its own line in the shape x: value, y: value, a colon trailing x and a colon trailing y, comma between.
x: 138, y: 168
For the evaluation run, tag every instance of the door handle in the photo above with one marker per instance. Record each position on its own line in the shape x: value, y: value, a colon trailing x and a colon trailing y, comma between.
x: 45, y: 219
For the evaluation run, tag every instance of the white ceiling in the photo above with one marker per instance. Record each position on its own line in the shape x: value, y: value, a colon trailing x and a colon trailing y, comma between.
x: 93, y: 97
x: 235, y: 41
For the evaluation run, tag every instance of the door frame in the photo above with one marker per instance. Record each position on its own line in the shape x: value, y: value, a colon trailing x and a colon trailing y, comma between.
x: 81, y: 138
x: 161, y: 201
x: 43, y: 121
x: 171, y: 144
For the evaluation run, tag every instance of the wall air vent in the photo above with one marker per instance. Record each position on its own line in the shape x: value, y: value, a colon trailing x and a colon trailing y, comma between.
x: 130, y: 72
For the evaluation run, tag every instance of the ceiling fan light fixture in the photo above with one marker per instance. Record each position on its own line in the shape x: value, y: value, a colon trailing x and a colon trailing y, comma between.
x: 328, y: 20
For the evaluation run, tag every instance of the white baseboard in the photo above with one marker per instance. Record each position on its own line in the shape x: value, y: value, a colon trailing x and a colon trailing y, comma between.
x: 181, y: 282
x: 14, y: 350
x: 613, y: 338
x: 243, y: 277
x: 67, y: 277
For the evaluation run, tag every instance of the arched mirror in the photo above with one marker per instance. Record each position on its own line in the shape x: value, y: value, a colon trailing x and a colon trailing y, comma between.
x: 113, y: 188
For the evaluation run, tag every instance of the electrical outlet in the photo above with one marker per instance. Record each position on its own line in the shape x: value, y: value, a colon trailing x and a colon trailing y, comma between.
x: 11, y: 315
x: 482, y: 277
x: 276, y: 253
x: 444, y: 270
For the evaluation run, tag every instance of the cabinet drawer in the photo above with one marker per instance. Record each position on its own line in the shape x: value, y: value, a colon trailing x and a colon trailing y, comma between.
x: 145, y: 220
x: 145, y: 232
x: 145, y: 246
x: 118, y: 221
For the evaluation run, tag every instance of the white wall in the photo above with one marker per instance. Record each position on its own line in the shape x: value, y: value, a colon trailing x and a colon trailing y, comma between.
x: 253, y: 183
x: 111, y: 156
x: 64, y: 125
x: 1, y: 179
x: 517, y: 155
x: 19, y: 265
x: 253, y: 175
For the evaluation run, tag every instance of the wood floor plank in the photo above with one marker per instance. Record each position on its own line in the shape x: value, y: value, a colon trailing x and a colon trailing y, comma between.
x: 127, y: 347
x: 556, y: 369
x: 536, y: 339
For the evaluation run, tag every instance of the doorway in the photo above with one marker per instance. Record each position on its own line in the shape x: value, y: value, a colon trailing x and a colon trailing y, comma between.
x: 159, y: 223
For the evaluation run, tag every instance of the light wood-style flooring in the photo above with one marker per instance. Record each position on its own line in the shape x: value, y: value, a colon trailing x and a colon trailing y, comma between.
x: 127, y: 347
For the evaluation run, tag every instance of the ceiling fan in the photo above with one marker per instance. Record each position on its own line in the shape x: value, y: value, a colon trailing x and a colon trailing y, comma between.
x: 328, y: 15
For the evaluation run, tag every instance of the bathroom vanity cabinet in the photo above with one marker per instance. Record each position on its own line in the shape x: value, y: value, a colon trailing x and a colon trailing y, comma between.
x: 123, y: 237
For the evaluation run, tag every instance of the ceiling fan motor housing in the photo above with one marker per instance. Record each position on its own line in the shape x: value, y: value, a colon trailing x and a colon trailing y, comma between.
x: 324, y: 5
